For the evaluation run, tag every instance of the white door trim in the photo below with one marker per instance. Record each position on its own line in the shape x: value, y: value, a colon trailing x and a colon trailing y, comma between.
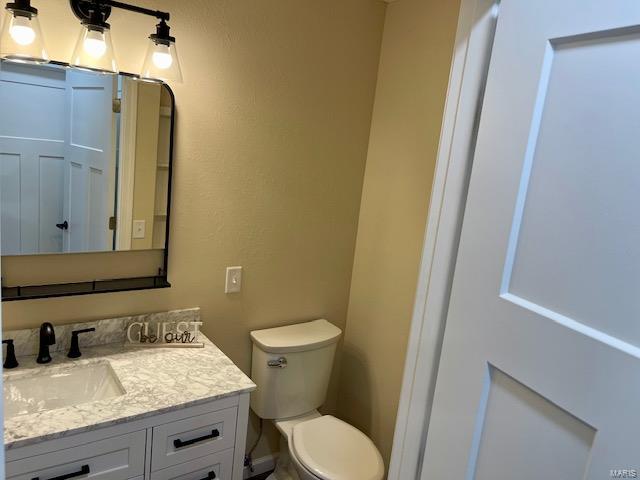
x: 470, y: 63
x: 1, y: 402
x: 129, y: 125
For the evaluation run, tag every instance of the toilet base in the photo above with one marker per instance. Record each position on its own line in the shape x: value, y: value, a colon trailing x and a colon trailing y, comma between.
x: 281, y: 475
x: 285, y: 469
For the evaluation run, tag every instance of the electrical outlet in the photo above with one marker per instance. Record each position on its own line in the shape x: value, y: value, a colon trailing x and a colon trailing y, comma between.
x: 139, y: 228
x: 233, y: 282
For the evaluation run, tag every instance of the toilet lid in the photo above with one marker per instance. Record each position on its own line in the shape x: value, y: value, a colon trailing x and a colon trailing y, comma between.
x: 334, y: 450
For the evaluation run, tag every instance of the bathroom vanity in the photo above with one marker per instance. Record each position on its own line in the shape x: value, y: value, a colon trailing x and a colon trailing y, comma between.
x: 125, y: 413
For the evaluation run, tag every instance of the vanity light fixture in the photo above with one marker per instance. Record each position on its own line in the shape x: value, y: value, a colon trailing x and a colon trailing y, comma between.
x: 94, y: 49
x: 21, y: 37
x: 161, y: 62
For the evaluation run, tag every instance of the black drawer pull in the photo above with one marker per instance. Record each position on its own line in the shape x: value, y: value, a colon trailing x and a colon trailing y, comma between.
x: 210, y: 476
x: 84, y: 470
x: 185, y: 443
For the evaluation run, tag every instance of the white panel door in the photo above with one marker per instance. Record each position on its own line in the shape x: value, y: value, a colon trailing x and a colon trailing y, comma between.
x: 540, y: 368
x: 91, y: 162
x: 32, y: 156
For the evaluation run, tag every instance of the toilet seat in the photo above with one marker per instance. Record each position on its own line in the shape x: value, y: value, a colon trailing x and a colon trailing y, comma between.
x: 331, y: 449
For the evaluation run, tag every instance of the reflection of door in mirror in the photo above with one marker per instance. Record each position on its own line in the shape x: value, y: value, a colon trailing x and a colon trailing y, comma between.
x: 84, y: 161
x: 90, y: 178
x: 57, y: 159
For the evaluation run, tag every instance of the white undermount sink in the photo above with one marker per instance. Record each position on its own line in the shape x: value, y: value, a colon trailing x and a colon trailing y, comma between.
x: 59, y: 387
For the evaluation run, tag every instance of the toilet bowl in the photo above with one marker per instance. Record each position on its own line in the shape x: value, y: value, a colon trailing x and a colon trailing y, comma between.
x: 317, y: 447
x: 291, y: 367
x: 327, y: 448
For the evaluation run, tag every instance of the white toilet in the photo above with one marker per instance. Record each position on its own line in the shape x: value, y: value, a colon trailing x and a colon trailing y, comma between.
x: 291, y: 366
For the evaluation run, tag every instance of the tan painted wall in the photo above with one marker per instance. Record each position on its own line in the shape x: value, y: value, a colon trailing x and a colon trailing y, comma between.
x: 272, y: 129
x: 412, y: 81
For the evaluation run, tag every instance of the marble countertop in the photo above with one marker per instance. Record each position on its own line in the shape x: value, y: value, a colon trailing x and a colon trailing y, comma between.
x: 156, y: 380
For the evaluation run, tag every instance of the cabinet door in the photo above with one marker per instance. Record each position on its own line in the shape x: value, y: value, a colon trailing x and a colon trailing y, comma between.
x: 116, y: 458
x: 216, y: 466
x: 191, y: 438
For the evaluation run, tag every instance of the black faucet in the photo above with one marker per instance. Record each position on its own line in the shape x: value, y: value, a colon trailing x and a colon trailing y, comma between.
x: 74, y: 351
x: 47, y: 338
x: 10, y: 360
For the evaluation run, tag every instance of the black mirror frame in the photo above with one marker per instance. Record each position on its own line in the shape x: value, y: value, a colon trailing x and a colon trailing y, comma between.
x: 32, y: 292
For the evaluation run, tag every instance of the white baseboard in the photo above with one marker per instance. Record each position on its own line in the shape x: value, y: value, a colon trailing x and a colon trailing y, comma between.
x: 261, y: 465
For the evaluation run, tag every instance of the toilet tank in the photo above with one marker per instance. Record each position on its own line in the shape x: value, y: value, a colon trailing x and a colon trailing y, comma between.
x: 291, y: 366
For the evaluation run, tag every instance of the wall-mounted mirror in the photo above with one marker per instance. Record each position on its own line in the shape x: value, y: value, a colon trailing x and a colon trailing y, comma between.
x: 84, y: 161
x: 85, y: 165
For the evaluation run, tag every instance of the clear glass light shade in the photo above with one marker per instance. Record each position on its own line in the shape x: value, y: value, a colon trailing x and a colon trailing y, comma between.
x: 21, y: 38
x: 94, y: 50
x: 161, y: 64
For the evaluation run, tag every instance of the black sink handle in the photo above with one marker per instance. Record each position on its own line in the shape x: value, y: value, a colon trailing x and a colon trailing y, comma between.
x: 74, y: 349
x: 10, y: 360
x: 177, y: 443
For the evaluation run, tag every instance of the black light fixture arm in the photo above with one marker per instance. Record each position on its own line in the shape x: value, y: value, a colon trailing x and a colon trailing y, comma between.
x: 83, y: 9
x: 145, y: 11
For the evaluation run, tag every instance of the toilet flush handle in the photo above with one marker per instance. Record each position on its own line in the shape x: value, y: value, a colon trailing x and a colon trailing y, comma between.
x: 279, y: 363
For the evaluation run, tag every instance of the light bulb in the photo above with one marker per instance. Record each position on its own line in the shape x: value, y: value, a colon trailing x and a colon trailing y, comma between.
x: 21, y: 31
x: 94, y: 44
x: 162, y: 57
x: 161, y: 62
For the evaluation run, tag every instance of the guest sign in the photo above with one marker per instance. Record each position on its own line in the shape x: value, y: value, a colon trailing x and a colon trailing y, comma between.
x: 164, y: 334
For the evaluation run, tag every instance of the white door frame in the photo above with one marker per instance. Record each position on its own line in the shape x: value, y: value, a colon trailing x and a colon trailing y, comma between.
x: 126, y: 173
x: 1, y: 400
x: 470, y: 63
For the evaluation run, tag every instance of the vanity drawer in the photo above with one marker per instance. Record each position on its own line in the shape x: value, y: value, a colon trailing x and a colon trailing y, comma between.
x: 116, y: 458
x: 220, y: 464
x: 194, y: 437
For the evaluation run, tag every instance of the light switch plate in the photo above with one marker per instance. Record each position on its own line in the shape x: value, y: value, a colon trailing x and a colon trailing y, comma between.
x: 139, y: 229
x: 233, y: 282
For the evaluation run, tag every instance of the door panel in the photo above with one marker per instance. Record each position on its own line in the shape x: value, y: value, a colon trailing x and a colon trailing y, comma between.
x: 75, y: 206
x: 42, y: 116
x: 97, y: 209
x: 64, y: 125
x: 10, y: 200
x: 540, y: 360
x: 538, y: 437
x: 91, y: 195
x: 32, y: 141
x: 51, y: 196
x: 590, y: 120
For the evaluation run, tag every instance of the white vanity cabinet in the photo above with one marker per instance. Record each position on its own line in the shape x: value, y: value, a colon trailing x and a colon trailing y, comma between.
x: 202, y: 442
